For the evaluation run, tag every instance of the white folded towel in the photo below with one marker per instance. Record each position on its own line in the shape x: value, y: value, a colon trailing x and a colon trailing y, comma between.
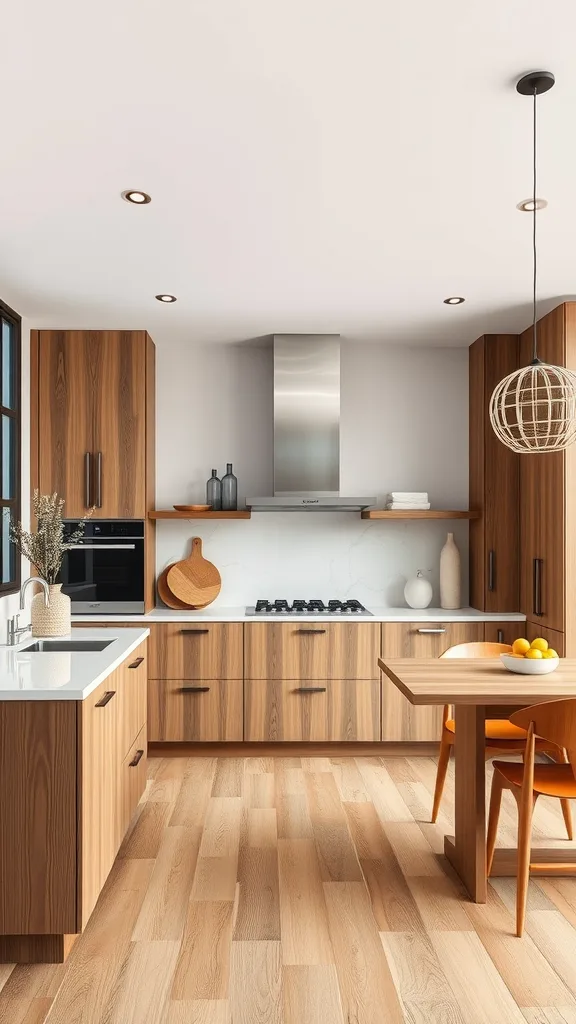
x: 418, y: 496
x: 407, y: 505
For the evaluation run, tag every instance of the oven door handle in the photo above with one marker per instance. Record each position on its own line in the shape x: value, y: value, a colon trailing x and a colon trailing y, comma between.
x: 101, y: 547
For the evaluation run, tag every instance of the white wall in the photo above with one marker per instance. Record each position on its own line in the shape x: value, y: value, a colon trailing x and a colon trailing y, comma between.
x: 404, y: 426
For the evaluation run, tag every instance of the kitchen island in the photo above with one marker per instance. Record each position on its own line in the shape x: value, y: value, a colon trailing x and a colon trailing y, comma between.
x: 72, y: 771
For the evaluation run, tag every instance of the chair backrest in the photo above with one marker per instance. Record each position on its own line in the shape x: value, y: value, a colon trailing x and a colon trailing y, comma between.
x: 554, y: 720
x: 477, y: 650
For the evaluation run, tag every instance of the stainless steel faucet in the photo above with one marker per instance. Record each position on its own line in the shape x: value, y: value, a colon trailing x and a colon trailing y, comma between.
x: 14, y: 630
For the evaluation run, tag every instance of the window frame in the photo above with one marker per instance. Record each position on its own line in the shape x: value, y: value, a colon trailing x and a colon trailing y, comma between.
x: 15, y: 505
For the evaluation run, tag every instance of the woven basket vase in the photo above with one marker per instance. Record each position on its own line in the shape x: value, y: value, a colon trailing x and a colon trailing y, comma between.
x: 53, y: 620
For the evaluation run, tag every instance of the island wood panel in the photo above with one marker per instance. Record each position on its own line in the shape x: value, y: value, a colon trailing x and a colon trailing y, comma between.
x: 302, y: 650
x: 132, y: 697
x: 400, y: 719
x: 132, y: 782
x: 196, y: 650
x: 38, y: 817
x: 319, y: 710
x: 207, y: 710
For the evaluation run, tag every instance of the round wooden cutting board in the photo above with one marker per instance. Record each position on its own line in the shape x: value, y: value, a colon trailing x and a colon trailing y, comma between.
x: 165, y: 594
x: 194, y: 580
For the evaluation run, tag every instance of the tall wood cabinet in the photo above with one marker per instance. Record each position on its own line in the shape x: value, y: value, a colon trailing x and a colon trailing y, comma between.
x: 494, y: 483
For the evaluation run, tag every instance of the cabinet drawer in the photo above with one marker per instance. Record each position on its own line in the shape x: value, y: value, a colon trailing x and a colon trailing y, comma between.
x: 209, y: 710
x: 302, y: 650
x: 533, y: 629
x: 196, y: 650
x: 326, y: 710
x: 132, y: 696
x: 503, y: 632
x: 132, y: 782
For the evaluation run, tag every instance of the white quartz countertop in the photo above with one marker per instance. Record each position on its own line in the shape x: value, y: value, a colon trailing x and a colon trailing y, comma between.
x: 64, y: 675
x: 218, y: 613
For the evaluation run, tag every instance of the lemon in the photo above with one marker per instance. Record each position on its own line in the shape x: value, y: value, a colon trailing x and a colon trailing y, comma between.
x: 539, y: 644
x: 533, y: 653
x: 550, y: 653
x: 520, y: 646
x: 515, y: 655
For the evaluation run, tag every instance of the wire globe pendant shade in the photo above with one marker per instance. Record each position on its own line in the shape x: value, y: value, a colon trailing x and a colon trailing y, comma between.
x: 534, y: 409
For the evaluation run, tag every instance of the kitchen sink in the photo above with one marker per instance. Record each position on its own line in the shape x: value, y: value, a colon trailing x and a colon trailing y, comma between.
x: 52, y: 646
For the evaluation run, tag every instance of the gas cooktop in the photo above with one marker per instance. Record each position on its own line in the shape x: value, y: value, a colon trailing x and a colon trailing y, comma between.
x: 281, y: 607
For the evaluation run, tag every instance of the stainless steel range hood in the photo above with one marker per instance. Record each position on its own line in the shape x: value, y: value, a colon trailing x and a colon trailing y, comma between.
x: 307, y: 428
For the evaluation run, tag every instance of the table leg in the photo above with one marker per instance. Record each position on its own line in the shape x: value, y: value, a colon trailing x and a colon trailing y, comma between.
x: 467, y: 851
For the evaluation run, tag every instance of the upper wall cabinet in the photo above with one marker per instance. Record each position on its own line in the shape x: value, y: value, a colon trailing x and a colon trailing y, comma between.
x: 494, y: 483
x: 93, y: 432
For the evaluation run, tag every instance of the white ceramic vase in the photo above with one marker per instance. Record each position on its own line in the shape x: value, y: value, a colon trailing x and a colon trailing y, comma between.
x: 52, y: 619
x: 418, y: 591
x: 450, y: 574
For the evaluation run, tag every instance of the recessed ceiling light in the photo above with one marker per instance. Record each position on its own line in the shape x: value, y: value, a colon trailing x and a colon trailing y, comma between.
x: 454, y: 300
x: 527, y: 205
x: 133, y: 195
x: 165, y: 298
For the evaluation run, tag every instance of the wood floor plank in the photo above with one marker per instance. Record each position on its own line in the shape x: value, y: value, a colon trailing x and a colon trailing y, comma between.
x: 201, y: 1011
x: 258, y: 916
x: 423, y: 988
x: 262, y: 827
x: 303, y: 914
x: 337, y: 856
x: 255, y: 765
x: 366, y: 984
x: 562, y: 893
x: 203, y: 967
x: 555, y: 938
x: 256, y: 983
x: 412, y: 849
x: 195, y: 791
x: 221, y: 833
x: 441, y: 902
x: 142, y: 992
x: 168, y: 780
x: 215, y: 879
x: 481, y: 993
x: 384, y: 794
x: 349, y: 780
x: 164, y: 908
x: 293, y: 816
x: 550, y: 1014
x: 143, y: 842
x: 5, y: 972
x: 229, y: 777
x: 260, y: 789
x: 37, y: 1011
x: 311, y: 995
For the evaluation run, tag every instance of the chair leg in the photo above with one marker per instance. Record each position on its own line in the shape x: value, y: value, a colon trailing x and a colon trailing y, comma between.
x: 493, y: 816
x: 525, y: 813
x: 443, y: 759
x: 561, y: 757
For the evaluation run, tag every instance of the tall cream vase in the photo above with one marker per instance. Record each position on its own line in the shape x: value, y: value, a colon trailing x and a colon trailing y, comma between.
x: 52, y: 619
x: 450, y: 574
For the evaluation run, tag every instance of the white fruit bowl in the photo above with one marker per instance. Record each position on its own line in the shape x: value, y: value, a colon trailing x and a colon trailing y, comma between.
x: 530, y: 666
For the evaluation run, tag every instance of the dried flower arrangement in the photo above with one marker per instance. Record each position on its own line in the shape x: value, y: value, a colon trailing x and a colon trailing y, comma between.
x: 45, y: 548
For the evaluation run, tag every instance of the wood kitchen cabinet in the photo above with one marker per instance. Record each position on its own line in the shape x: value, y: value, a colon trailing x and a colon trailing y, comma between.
x: 92, y: 413
x: 401, y: 720
x: 293, y: 710
x: 302, y: 650
x: 196, y: 650
x: 71, y: 775
x: 195, y: 711
x: 503, y: 632
x: 494, y: 483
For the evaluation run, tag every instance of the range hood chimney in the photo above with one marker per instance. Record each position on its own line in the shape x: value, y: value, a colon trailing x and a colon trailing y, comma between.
x: 307, y: 428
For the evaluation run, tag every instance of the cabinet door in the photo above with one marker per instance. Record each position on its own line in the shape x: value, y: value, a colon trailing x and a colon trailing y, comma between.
x: 132, y: 783
x: 67, y: 372
x: 132, y: 698
x: 330, y: 710
x: 401, y: 720
x: 202, y: 711
x: 196, y: 650
x: 120, y: 426
x: 99, y: 791
x: 303, y: 650
x: 555, y: 639
x: 503, y: 632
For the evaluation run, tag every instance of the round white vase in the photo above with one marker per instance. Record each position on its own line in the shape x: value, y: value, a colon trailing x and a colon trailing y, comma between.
x: 418, y: 591
x: 52, y: 619
x: 450, y: 574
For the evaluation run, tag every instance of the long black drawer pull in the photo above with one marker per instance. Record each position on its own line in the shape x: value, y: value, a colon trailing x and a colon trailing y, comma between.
x: 310, y: 689
x: 491, y: 569
x: 136, y: 759
x: 307, y: 632
x: 194, y: 632
x: 537, y: 586
x: 500, y: 636
x: 105, y: 699
x: 137, y: 663
x: 194, y: 689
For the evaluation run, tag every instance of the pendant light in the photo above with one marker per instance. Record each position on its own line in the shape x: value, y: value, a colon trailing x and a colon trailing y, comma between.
x: 534, y: 408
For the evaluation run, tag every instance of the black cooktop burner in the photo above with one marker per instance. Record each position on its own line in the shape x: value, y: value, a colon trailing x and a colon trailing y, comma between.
x: 313, y: 607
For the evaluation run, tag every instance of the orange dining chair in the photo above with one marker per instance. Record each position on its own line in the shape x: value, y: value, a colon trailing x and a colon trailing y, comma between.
x: 502, y: 736
x: 555, y: 720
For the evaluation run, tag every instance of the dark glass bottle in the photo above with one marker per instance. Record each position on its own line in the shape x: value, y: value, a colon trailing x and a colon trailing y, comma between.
x: 229, y: 490
x: 214, y: 491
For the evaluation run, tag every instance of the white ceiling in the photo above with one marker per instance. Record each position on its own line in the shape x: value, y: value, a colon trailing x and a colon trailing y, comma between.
x: 325, y: 165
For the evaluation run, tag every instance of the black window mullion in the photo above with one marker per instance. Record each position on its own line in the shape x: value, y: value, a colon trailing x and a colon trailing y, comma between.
x: 15, y: 448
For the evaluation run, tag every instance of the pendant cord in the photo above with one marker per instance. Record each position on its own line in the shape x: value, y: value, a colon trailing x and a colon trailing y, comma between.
x: 534, y: 259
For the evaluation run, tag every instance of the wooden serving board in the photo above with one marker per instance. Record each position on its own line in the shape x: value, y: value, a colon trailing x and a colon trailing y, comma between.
x: 194, y: 580
x: 165, y: 594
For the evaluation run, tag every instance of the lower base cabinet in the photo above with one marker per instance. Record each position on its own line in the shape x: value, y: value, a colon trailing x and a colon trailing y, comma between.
x: 203, y: 711
x: 316, y: 710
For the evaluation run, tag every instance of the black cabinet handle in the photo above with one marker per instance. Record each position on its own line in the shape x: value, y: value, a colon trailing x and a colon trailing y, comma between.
x: 500, y: 635
x: 194, y: 632
x: 538, y: 565
x: 310, y: 689
x: 306, y: 632
x: 137, y: 663
x: 136, y: 759
x: 87, y: 482
x: 491, y: 569
x: 194, y: 689
x: 105, y: 699
x: 98, y: 479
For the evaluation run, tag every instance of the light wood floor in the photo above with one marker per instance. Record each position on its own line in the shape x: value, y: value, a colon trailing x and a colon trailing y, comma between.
x: 305, y: 891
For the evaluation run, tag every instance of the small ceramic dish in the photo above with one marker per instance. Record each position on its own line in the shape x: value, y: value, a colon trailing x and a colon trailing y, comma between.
x: 529, y: 666
x: 192, y: 508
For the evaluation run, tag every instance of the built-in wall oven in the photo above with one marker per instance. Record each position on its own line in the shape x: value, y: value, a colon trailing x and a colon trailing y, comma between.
x: 104, y: 571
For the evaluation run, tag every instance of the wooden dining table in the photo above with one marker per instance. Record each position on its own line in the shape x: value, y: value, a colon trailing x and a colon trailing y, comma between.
x: 479, y: 688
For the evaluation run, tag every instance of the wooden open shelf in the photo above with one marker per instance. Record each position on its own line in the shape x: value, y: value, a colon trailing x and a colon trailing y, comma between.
x: 168, y: 513
x: 423, y: 513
